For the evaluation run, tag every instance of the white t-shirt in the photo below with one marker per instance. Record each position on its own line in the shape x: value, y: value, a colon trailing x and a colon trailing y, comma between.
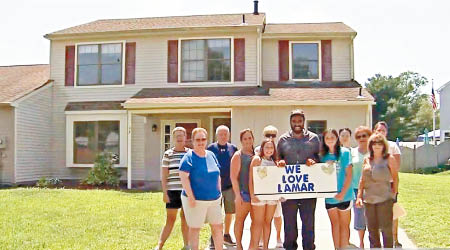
x: 394, y: 149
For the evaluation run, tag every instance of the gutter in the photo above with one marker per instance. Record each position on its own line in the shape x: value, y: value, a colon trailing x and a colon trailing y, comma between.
x: 246, y: 104
x: 140, y: 32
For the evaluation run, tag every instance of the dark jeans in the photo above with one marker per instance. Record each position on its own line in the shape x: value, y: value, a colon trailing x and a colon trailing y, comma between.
x: 379, y: 217
x: 307, y: 208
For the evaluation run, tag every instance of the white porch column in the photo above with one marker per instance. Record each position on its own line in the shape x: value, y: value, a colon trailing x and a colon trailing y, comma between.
x: 129, y: 118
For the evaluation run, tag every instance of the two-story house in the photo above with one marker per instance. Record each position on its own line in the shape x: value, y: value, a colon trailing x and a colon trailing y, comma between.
x: 122, y: 85
x: 444, y: 94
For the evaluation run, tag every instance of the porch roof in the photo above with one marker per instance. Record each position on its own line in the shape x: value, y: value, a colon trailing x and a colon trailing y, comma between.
x: 271, y: 93
x: 94, y: 105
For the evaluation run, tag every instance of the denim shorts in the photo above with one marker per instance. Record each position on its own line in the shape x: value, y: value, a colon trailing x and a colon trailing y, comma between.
x: 359, y: 217
x: 245, y: 196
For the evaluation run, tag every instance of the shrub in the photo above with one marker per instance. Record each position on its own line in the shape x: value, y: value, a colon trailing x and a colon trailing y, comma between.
x: 103, y: 172
x: 432, y: 170
x: 43, y: 182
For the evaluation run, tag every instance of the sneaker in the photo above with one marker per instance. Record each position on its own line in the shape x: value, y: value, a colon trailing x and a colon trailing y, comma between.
x: 228, y: 241
x: 397, y: 244
x: 279, y: 244
x: 211, y: 243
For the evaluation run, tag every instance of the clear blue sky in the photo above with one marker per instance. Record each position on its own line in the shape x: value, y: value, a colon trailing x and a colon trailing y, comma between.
x: 393, y: 35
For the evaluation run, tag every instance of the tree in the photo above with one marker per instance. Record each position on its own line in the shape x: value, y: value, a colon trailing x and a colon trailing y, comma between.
x: 424, y: 116
x: 398, y: 100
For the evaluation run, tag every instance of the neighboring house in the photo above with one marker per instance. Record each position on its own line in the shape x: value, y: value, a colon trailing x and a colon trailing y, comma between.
x: 25, y: 123
x: 444, y: 111
x: 122, y: 85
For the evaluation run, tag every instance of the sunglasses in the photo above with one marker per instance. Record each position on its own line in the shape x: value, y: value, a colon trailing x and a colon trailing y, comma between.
x: 200, y: 139
x: 361, y: 136
x: 271, y: 135
x: 378, y: 143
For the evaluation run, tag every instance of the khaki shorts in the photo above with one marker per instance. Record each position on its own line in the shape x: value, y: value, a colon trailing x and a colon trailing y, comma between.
x: 203, y: 212
x: 228, y: 201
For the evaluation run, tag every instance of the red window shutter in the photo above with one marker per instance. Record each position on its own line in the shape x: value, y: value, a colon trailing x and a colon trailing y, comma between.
x: 326, y: 60
x: 70, y: 65
x: 283, y: 60
x: 172, y: 61
x: 130, y: 63
x: 239, y: 59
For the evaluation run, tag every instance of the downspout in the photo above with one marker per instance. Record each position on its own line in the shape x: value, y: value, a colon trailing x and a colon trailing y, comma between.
x: 259, y: 57
x: 129, y: 149
x: 352, y: 58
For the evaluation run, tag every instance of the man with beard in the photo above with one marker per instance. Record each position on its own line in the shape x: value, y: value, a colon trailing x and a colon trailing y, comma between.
x: 298, y: 146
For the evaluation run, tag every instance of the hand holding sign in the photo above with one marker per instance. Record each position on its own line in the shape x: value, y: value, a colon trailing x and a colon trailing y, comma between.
x: 295, y: 181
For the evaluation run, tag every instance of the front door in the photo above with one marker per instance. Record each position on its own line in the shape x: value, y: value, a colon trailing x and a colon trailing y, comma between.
x: 166, y: 132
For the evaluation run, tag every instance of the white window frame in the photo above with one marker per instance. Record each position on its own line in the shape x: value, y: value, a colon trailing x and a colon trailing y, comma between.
x: 123, y: 42
x: 319, y: 47
x: 172, y: 123
x: 113, y: 116
x: 207, y: 83
x: 443, y: 138
x: 211, y: 125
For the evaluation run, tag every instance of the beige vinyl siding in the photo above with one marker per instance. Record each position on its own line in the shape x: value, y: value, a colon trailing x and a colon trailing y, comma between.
x: 341, y: 59
x: 256, y: 118
x: 151, y: 72
x: 7, y: 154
x: 34, y: 132
x: 270, y: 60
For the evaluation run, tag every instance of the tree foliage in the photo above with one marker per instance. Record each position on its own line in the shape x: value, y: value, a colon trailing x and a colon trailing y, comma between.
x: 401, y: 104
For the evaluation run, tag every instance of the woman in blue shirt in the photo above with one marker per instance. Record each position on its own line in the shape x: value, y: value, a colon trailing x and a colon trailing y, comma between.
x: 201, y: 196
x: 338, y: 208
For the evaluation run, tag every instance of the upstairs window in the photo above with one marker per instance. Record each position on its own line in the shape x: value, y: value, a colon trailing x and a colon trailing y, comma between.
x: 100, y: 64
x: 305, y: 61
x: 206, y: 60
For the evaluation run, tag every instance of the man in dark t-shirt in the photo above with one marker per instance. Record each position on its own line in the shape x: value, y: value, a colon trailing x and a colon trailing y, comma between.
x: 224, y: 151
x: 298, y: 146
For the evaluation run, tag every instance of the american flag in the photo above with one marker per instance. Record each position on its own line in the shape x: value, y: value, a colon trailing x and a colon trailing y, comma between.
x: 433, y: 100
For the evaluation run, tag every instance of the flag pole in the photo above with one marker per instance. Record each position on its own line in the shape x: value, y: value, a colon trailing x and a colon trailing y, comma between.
x: 434, y: 116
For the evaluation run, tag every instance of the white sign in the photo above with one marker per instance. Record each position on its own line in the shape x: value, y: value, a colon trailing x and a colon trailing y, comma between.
x: 295, y: 181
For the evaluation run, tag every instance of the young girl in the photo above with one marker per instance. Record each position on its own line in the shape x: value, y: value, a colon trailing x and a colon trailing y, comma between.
x: 263, y: 210
x: 338, y: 208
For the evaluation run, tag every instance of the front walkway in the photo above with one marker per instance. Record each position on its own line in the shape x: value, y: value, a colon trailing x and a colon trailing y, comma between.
x: 323, y: 232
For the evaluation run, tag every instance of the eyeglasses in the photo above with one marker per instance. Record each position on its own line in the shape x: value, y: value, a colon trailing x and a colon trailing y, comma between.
x: 200, y: 139
x: 378, y: 143
x: 361, y: 136
x: 271, y: 135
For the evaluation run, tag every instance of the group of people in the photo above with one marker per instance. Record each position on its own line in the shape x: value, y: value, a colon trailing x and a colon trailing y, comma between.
x: 202, y: 180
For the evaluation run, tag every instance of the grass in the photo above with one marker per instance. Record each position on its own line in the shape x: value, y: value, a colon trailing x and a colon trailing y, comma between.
x: 444, y: 173
x: 33, y: 218
x: 426, y: 199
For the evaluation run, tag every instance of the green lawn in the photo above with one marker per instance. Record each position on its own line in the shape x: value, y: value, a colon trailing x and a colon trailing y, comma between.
x: 83, y: 219
x: 426, y: 199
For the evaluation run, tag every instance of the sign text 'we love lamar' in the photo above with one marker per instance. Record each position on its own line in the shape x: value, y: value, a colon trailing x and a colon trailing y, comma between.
x: 295, y: 181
